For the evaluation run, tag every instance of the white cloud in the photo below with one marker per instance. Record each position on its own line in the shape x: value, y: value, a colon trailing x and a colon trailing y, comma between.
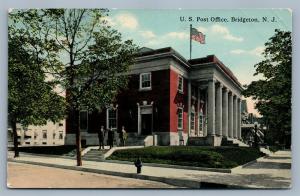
x: 127, y: 20
x: 147, y: 34
x: 177, y: 35
x: 202, y: 29
x: 165, y: 39
x: 233, y: 38
x: 237, y: 51
x: 256, y: 51
x: 124, y: 20
x: 225, y: 33
x: 219, y: 29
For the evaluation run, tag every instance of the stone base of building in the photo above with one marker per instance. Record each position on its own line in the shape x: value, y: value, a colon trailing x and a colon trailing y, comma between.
x: 210, y: 140
x: 161, y: 138
x: 214, y: 140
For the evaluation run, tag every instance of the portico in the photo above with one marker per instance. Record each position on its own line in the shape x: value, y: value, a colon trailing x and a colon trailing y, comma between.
x: 223, y: 100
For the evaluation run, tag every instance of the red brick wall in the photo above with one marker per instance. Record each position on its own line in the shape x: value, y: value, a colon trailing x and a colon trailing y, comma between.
x: 127, y: 101
x: 177, y: 98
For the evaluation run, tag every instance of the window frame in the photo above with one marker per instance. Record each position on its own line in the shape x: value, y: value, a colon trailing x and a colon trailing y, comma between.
x: 44, y: 132
x: 180, y: 127
x: 180, y: 77
x: 141, y: 81
x: 201, y: 122
x: 107, y: 118
x: 193, y: 122
x: 60, y: 135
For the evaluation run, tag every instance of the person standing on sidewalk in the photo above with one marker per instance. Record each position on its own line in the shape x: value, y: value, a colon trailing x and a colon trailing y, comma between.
x: 101, y: 135
x: 123, y: 136
x: 110, y: 138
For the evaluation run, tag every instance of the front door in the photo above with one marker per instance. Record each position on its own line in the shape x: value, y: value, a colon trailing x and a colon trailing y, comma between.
x: 146, y: 124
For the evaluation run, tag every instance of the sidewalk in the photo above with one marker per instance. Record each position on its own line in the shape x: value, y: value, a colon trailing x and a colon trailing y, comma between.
x: 268, y: 172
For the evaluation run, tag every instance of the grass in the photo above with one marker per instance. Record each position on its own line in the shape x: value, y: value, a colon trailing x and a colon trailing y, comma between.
x: 212, y: 157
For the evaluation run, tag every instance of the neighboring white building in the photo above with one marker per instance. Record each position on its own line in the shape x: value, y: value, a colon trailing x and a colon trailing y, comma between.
x: 51, y: 134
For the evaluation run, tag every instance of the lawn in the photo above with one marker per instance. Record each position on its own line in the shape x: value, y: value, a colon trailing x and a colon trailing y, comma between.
x: 212, y: 157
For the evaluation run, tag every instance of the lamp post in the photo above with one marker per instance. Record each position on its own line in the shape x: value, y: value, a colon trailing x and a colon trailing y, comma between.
x: 265, y: 129
x: 255, y: 135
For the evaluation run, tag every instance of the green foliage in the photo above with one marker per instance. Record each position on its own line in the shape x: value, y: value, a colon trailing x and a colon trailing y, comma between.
x: 273, y: 92
x: 31, y: 98
x: 213, y: 157
x: 81, y: 53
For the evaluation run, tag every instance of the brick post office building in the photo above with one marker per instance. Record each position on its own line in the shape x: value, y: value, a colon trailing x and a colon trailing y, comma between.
x: 171, y: 99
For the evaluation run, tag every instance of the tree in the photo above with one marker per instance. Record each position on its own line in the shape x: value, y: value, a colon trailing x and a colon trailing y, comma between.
x: 92, y: 57
x: 273, y: 92
x: 30, y: 97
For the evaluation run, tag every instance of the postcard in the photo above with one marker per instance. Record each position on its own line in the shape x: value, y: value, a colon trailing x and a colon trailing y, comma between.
x: 137, y: 98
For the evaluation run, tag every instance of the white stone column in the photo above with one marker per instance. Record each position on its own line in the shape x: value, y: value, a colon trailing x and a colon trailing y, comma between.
x: 189, y: 107
x: 230, y: 115
x: 211, y: 108
x: 219, y: 109
x: 225, y: 112
x: 239, y: 120
x: 235, y: 116
x: 198, y: 112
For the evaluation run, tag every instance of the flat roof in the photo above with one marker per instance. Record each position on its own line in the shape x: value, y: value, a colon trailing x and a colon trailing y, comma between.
x: 197, y: 61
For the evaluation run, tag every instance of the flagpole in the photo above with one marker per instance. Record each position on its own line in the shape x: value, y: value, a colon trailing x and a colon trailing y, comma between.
x: 190, y: 41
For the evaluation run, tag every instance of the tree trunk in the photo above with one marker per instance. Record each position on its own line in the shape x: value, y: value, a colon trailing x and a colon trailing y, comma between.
x: 78, y: 139
x: 15, y: 137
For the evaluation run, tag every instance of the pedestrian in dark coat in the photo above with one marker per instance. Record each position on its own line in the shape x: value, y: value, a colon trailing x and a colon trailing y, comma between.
x: 110, y: 138
x: 101, y: 135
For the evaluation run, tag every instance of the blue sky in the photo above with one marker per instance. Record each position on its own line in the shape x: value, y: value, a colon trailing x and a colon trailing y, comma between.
x: 237, y: 45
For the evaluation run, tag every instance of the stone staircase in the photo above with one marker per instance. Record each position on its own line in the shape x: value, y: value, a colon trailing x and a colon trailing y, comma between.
x: 233, y: 142
x: 94, y: 155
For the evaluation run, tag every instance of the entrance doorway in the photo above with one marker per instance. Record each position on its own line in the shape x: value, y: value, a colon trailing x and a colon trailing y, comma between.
x: 146, y: 124
x: 145, y: 120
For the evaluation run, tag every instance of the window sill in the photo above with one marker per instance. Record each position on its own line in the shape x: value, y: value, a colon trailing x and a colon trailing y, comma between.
x: 145, y: 89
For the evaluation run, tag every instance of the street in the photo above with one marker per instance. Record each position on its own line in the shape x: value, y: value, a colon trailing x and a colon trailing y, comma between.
x: 31, y: 176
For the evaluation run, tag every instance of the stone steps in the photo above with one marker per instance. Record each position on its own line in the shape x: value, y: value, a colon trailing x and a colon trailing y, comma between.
x: 94, y: 155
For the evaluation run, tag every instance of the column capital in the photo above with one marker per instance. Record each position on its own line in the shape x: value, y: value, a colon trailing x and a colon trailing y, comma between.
x: 225, y: 89
x: 212, y: 80
x: 219, y: 84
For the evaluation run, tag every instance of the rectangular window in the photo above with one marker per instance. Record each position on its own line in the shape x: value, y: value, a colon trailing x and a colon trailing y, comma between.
x: 192, y: 120
x: 83, y: 120
x: 111, y: 118
x: 54, y: 135
x: 200, y: 122
x: 180, y: 118
x: 60, y: 135
x: 145, y: 81
x: 44, y: 134
x: 180, y: 84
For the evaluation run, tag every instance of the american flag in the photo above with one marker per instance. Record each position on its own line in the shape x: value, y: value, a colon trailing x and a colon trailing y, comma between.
x: 197, y: 36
